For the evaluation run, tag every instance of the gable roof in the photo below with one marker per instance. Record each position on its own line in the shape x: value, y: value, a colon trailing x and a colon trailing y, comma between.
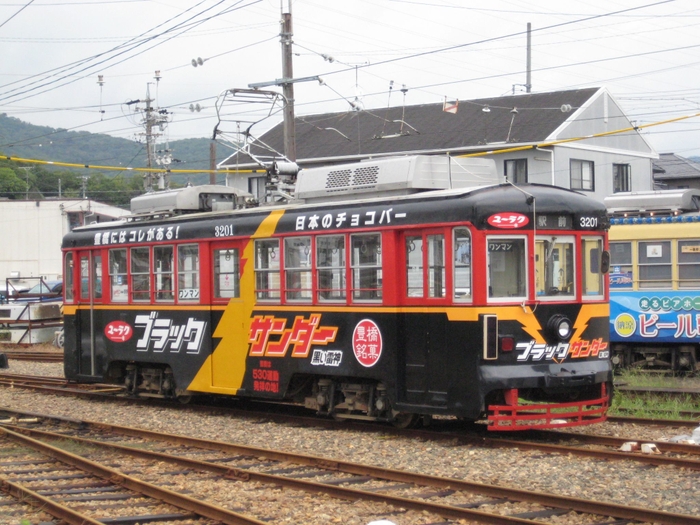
x: 672, y: 166
x: 426, y: 128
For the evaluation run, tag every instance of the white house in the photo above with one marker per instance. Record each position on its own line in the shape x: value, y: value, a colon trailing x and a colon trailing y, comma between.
x: 31, y: 232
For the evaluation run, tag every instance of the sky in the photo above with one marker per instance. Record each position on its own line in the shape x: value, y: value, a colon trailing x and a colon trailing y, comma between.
x: 90, y: 65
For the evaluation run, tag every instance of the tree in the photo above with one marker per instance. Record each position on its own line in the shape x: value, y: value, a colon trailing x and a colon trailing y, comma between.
x: 11, y: 186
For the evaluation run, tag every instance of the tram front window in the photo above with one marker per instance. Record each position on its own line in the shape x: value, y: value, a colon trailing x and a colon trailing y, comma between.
x: 554, y: 266
x: 507, y: 268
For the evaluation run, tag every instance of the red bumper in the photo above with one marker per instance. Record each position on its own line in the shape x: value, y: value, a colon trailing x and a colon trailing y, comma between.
x: 513, y: 416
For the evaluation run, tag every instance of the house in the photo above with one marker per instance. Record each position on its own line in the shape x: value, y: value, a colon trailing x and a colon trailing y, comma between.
x: 672, y: 171
x: 32, y: 232
x: 533, y: 138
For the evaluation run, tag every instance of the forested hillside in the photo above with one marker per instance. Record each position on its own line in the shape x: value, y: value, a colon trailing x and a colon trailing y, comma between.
x: 24, y: 140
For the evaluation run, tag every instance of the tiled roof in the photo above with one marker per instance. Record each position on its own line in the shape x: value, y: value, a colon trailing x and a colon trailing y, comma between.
x: 672, y: 166
x: 520, y: 119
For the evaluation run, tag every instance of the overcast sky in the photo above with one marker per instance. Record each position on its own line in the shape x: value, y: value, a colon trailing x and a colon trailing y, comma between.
x: 646, y: 53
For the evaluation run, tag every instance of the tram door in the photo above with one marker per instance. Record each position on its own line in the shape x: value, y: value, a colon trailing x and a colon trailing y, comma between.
x: 422, y: 333
x: 229, y: 290
x: 89, y: 294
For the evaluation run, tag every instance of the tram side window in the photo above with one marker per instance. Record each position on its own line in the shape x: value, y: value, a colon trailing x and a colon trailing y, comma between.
x: 414, y: 266
x: 416, y: 262
x: 554, y: 266
x: 366, y: 264
x: 118, y: 276
x: 330, y: 264
x: 84, y: 278
x: 140, y: 274
x: 297, y: 265
x: 267, y: 269
x: 689, y: 263
x: 593, y: 284
x: 621, y: 265
x: 654, y: 259
x: 506, y: 266
x: 188, y: 272
x: 97, y: 276
x: 163, y: 271
x: 462, y: 243
x: 68, y: 277
x: 226, y: 273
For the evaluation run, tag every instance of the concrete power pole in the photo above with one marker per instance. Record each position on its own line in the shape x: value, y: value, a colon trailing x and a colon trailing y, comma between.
x: 290, y: 146
x: 528, y: 78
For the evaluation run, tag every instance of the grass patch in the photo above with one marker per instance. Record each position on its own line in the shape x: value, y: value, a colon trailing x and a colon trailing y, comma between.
x: 658, y: 406
x: 654, y: 406
x: 639, y: 379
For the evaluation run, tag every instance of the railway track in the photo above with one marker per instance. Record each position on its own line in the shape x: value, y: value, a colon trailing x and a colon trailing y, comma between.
x: 224, y: 464
x: 551, y: 442
x: 28, y: 355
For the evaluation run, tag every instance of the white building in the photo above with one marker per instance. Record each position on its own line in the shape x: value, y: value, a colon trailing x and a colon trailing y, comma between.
x: 31, y: 233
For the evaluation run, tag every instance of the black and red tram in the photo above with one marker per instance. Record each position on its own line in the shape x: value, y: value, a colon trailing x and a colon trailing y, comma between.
x: 480, y: 300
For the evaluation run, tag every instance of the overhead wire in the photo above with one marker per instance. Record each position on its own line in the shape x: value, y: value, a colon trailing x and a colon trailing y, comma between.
x: 184, y: 28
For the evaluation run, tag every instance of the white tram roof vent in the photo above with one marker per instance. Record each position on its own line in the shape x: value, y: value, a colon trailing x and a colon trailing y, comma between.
x: 659, y: 202
x: 190, y: 199
x: 394, y: 176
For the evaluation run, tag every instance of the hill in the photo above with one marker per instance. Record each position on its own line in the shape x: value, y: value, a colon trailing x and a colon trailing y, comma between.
x: 21, y: 139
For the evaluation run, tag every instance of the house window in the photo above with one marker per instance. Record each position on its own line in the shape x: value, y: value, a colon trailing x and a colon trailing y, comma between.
x: 582, y: 175
x: 515, y: 170
x: 622, y: 178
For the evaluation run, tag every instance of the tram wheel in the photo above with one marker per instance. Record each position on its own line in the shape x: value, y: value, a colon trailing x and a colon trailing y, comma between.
x: 405, y: 420
x: 184, y: 400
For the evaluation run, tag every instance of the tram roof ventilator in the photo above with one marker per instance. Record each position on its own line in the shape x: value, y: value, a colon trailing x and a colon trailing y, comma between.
x: 394, y: 176
x: 191, y: 199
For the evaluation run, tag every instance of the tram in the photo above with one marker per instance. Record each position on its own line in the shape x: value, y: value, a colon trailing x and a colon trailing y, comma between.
x: 655, y: 279
x: 393, y: 289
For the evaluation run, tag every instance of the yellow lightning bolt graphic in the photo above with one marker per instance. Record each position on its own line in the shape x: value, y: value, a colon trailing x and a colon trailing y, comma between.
x: 224, y: 370
x: 588, y: 312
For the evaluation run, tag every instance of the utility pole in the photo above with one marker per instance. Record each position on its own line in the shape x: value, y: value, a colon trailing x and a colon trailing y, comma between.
x: 528, y: 78
x: 152, y: 118
x: 290, y: 146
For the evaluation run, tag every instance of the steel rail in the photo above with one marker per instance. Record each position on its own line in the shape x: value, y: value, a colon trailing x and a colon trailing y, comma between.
x: 48, y: 505
x: 102, y: 390
x: 118, y: 478
x: 34, y: 356
x: 548, y: 500
x: 235, y: 474
x: 593, y: 439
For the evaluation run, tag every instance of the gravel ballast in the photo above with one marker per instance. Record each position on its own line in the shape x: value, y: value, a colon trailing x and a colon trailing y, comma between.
x: 623, y: 482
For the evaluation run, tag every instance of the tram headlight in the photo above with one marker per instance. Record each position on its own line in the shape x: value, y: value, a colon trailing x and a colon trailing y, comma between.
x: 560, y: 327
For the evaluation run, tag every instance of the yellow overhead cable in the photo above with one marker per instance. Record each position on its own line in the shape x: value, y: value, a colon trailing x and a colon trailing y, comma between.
x: 574, y: 139
x: 227, y: 170
x: 122, y: 168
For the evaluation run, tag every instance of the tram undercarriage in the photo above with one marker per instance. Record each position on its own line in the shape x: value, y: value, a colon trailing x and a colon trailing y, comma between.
x: 675, y: 358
